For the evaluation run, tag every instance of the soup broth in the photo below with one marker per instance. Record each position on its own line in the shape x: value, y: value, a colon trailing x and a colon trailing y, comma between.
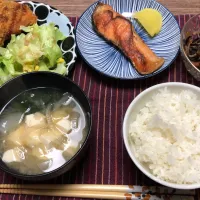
x: 41, y: 129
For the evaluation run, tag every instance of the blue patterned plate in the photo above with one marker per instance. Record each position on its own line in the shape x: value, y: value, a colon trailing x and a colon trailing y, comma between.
x: 107, y: 59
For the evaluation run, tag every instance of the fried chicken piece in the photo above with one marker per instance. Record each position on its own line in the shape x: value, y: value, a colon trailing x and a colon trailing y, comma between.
x: 115, y: 28
x: 12, y: 16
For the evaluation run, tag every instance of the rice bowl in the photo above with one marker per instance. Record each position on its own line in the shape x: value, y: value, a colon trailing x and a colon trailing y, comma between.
x: 160, y: 132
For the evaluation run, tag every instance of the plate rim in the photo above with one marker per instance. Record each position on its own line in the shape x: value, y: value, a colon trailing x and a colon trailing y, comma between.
x: 127, y: 78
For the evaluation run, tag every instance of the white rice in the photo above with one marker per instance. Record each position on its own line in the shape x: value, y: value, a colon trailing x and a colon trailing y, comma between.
x: 166, y: 136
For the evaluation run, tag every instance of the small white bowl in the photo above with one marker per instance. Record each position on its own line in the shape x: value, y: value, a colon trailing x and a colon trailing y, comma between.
x: 130, y: 115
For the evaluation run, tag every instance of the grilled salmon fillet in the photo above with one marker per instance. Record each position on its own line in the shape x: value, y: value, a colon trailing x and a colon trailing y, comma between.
x: 118, y: 30
x: 12, y: 16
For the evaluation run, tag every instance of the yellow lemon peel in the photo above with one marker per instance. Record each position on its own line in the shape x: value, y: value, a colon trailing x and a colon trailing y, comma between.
x: 150, y: 19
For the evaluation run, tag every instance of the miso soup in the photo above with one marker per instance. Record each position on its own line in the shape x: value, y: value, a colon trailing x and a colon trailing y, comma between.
x: 41, y: 129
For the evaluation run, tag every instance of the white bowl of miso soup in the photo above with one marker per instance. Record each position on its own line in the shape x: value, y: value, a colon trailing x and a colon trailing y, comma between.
x: 45, y: 122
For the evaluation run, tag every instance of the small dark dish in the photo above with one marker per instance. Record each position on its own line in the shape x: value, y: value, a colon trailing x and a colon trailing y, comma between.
x: 50, y: 80
x: 190, y: 46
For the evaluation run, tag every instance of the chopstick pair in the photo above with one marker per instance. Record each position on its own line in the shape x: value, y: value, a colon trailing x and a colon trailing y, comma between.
x: 99, y: 191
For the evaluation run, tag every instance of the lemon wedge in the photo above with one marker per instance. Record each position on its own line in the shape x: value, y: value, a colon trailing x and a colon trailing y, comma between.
x: 150, y: 19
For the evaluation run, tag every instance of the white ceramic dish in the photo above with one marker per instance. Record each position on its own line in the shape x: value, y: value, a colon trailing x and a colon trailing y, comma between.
x: 130, y: 115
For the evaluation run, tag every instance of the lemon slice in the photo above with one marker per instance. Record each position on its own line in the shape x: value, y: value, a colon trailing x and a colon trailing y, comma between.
x: 150, y: 19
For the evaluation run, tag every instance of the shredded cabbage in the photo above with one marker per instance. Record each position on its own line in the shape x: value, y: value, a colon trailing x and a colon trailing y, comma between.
x: 34, y: 50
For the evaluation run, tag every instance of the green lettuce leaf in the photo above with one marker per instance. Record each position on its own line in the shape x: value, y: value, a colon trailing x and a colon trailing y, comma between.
x: 34, y: 50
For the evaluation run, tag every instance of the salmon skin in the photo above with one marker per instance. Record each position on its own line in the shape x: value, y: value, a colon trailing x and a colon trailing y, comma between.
x: 118, y: 30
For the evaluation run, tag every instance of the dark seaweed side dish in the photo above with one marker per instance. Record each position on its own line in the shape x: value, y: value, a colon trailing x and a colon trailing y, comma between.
x: 192, y: 49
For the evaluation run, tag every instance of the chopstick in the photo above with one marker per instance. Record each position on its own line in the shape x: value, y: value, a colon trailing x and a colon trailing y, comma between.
x: 100, y: 188
x: 93, y: 194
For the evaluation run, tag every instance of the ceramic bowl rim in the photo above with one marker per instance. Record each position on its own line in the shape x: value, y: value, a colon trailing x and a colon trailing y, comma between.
x: 136, y: 162
x: 46, y: 174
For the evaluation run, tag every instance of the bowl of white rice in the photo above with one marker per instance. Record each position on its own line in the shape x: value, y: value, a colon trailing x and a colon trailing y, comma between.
x: 161, y: 132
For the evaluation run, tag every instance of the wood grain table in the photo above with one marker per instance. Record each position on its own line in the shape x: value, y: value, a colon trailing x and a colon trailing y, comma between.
x: 77, y: 7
